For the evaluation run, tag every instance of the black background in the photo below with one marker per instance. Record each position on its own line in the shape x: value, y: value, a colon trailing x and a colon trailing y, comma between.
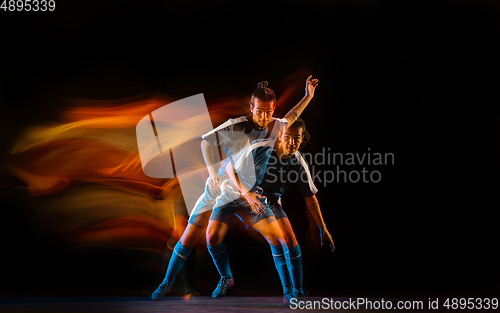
x: 415, y: 78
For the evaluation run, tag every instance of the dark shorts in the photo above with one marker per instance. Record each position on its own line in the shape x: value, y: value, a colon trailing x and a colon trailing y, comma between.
x: 239, y: 210
x: 278, y: 210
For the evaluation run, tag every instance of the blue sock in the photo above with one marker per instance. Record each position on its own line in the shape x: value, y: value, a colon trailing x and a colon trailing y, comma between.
x: 294, y: 262
x: 281, y: 267
x: 221, y: 259
x: 179, y: 256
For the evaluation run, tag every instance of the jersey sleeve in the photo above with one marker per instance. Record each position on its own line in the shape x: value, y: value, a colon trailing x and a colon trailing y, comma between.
x: 283, y: 122
x: 305, y: 183
x: 213, y: 137
x: 251, y: 164
x: 280, y: 124
x: 224, y: 132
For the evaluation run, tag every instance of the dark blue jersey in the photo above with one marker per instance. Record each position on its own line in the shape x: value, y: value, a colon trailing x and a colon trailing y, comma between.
x: 238, y: 133
x: 258, y: 167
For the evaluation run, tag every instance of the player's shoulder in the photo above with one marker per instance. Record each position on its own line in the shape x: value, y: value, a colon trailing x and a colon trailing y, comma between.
x: 233, y: 122
x: 262, y: 145
x: 301, y: 159
x: 237, y: 120
x: 239, y: 123
x: 227, y: 125
x: 261, y: 148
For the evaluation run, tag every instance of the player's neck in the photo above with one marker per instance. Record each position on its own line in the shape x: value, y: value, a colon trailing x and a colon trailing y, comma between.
x: 280, y: 153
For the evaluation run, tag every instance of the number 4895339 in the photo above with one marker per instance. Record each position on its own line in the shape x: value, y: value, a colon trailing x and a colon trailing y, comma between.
x: 28, y: 5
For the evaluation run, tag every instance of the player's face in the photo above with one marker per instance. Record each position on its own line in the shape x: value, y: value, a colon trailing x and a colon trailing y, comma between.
x: 262, y: 112
x: 290, y: 140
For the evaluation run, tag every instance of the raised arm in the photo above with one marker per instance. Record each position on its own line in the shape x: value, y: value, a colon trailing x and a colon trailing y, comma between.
x: 296, y: 111
x: 313, y: 207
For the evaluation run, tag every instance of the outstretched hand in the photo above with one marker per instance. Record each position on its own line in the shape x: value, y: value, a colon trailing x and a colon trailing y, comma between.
x: 311, y: 85
x: 326, y: 238
x: 215, y: 180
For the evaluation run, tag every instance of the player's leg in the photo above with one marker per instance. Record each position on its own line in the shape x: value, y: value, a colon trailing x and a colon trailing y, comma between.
x: 293, y: 255
x: 287, y: 230
x: 270, y: 229
x: 216, y: 231
x: 195, y: 230
x: 188, y: 269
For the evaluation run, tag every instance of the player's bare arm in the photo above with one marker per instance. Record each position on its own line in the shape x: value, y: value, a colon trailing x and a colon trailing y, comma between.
x: 313, y: 207
x: 297, y: 110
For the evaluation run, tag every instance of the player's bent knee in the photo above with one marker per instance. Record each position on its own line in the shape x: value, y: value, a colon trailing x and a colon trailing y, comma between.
x: 291, y: 241
x: 213, y: 240
x: 272, y: 240
x: 191, y: 236
x: 214, y: 237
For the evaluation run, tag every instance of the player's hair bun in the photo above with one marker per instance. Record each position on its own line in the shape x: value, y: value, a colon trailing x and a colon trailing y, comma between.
x: 262, y: 85
x: 263, y: 93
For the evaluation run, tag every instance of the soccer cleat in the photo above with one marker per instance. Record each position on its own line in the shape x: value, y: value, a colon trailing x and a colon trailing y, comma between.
x: 161, y: 291
x: 287, y: 297
x: 222, y: 287
x: 300, y: 295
